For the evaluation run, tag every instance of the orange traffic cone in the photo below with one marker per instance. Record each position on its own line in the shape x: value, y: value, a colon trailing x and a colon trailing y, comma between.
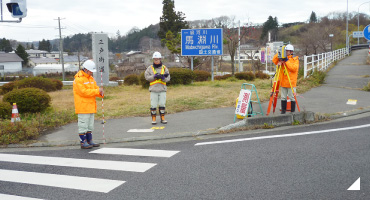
x: 15, y: 114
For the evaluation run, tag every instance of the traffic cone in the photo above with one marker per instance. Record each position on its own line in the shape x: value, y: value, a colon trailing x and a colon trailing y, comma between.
x: 15, y: 114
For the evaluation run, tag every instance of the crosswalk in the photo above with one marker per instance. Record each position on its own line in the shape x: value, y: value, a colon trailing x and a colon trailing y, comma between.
x: 77, y: 182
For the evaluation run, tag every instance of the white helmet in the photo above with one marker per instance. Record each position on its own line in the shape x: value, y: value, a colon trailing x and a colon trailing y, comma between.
x: 157, y: 55
x: 89, y: 65
x: 289, y: 47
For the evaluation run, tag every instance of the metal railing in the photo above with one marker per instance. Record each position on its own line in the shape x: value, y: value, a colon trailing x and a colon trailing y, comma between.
x: 322, y: 61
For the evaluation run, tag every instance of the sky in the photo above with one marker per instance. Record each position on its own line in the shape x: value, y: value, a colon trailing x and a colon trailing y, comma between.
x: 83, y: 16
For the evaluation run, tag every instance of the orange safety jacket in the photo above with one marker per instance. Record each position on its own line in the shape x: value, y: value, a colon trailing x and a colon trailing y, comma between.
x: 85, y: 91
x: 292, y: 67
x: 158, y: 80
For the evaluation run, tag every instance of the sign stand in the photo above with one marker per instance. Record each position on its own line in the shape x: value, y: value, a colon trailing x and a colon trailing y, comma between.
x: 244, y: 101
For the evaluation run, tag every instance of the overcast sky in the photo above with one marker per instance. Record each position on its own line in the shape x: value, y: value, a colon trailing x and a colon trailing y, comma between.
x: 82, y: 16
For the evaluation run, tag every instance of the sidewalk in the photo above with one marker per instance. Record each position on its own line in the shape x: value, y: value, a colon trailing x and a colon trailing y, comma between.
x: 343, y: 82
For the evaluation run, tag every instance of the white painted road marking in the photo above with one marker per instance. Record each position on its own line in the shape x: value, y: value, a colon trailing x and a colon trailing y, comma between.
x: 74, y: 162
x: 356, y: 185
x: 13, y: 197
x: 60, y: 181
x: 136, y: 152
x: 284, y: 135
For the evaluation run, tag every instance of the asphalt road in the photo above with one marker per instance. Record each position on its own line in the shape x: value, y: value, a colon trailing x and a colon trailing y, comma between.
x: 318, y: 161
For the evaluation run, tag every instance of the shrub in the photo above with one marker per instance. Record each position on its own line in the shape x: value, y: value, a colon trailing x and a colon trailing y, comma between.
x: 319, y: 76
x: 8, y: 87
x: 143, y: 82
x: 131, y: 80
x: 37, y: 82
x: 201, y: 75
x: 226, y: 76
x: 11, y: 134
x: 114, y: 78
x: 262, y: 75
x: 367, y: 87
x: 28, y: 99
x: 58, y: 84
x: 181, y: 76
x: 5, y: 110
x: 248, y: 76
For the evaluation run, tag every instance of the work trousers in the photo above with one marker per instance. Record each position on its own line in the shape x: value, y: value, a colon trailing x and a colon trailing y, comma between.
x: 157, y: 99
x: 287, y: 92
x: 85, y: 122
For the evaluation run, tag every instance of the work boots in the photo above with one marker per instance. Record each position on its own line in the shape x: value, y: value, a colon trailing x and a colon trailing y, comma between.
x: 283, y: 106
x: 292, y: 106
x: 161, y: 112
x: 89, y: 139
x: 84, y: 144
x: 153, y: 112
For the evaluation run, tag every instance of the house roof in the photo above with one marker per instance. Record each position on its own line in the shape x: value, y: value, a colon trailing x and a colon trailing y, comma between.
x: 43, y: 60
x: 34, y: 51
x: 74, y: 58
x: 10, y: 57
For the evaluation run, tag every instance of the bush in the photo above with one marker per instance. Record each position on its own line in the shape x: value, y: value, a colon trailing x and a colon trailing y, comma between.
x: 226, y: 76
x: 181, y: 76
x: 12, y: 134
x: 248, y: 76
x: 114, y: 78
x: 319, y: 76
x: 262, y: 75
x: 5, y: 110
x: 28, y: 99
x: 8, y: 87
x: 201, y: 75
x: 367, y: 87
x: 131, y: 80
x: 37, y: 82
x: 58, y: 84
x: 143, y: 82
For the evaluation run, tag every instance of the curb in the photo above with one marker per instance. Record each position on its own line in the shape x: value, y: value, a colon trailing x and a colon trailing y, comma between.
x: 277, y: 120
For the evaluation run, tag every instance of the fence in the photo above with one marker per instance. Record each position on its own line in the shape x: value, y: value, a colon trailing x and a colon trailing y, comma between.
x: 322, y: 61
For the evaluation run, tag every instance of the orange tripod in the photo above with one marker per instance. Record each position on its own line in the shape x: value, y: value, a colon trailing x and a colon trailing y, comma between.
x: 275, y: 90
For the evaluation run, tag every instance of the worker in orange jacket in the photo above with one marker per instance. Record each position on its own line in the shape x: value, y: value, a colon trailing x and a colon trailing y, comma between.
x: 85, y: 90
x: 289, y: 66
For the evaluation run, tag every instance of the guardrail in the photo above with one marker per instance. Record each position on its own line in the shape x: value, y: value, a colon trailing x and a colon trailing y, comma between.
x: 322, y: 61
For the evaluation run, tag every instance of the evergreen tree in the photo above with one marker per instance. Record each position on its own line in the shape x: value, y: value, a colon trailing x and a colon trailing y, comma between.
x: 171, y: 20
x: 21, y: 52
x: 5, y: 46
x: 270, y: 25
x: 45, y: 45
x: 313, y: 18
x: 32, y: 46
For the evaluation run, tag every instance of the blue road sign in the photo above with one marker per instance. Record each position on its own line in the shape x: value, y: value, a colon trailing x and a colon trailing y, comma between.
x: 201, y: 42
x: 367, y: 32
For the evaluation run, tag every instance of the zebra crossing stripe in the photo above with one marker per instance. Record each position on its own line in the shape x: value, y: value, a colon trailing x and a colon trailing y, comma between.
x: 60, y: 181
x: 13, y: 197
x: 135, y: 152
x: 74, y: 162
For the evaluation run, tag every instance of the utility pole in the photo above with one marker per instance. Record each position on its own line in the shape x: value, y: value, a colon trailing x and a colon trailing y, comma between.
x: 61, y: 59
x: 239, y: 46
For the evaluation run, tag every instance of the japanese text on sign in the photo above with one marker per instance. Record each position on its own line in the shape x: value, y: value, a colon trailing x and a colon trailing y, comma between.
x: 243, y: 102
x: 201, y: 42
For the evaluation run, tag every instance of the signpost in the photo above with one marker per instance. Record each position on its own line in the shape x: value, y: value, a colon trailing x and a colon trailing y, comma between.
x: 202, y: 42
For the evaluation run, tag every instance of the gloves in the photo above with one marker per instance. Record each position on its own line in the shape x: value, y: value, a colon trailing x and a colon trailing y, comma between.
x: 166, y: 75
x: 157, y: 76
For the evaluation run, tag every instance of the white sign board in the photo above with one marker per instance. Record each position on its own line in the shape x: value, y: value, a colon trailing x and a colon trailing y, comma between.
x: 358, y: 34
x: 243, y: 102
x: 100, y: 55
